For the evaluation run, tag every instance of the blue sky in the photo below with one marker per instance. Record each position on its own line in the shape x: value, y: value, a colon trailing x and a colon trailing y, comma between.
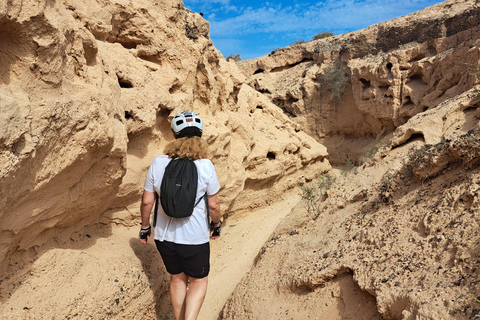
x: 255, y: 28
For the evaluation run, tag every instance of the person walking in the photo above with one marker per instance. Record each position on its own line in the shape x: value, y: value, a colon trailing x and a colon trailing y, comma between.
x: 183, y: 243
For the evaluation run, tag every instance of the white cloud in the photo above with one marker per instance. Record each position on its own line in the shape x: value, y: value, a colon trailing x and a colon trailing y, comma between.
x: 255, y: 31
x: 229, y: 8
x: 322, y: 16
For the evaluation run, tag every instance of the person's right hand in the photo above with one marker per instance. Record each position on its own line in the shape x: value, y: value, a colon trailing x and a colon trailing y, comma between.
x: 216, y: 228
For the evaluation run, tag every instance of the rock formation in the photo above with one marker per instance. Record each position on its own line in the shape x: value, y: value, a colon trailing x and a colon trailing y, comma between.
x: 358, y: 87
x: 396, y: 239
x: 87, y: 90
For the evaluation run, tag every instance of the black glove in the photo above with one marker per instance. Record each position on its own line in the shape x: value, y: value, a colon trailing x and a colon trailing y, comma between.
x: 216, y: 229
x: 145, y: 232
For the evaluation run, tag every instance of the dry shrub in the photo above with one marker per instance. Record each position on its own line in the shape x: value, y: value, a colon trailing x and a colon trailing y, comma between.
x: 335, y: 80
x: 322, y: 35
x: 234, y: 57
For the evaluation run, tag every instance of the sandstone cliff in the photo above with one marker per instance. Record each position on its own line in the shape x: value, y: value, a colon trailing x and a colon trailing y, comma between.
x: 386, y: 74
x: 397, y: 237
x: 87, y: 89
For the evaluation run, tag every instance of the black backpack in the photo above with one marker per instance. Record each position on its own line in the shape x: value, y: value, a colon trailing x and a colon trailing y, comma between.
x: 178, y: 190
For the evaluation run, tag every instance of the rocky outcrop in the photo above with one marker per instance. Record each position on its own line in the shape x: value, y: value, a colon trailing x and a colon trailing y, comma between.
x: 395, y: 239
x: 86, y: 93
x: 356, y: 88
x: 87, y: 89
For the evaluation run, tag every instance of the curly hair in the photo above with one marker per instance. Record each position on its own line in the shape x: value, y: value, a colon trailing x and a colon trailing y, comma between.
x: 194, y: 148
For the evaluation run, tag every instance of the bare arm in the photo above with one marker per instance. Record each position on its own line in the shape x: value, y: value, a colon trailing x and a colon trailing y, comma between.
x: 148, y: 200
x: 214, y: 208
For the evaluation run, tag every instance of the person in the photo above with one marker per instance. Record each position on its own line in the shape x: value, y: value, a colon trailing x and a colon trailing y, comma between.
x: 183, y: 243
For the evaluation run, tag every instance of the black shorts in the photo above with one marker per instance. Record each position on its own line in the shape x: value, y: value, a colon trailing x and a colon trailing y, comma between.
x: 191, y: 259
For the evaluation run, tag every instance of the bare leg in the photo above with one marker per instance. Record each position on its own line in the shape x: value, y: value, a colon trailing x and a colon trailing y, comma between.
x: 178, y: 292
x: 195, y: 296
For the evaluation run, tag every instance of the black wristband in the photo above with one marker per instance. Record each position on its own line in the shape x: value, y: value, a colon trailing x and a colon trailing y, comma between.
x: 215, y: 225
x: 145, y: 232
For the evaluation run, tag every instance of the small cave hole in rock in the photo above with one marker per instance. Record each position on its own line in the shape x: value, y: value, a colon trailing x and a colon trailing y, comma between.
x: 414, y: 137
x: 175, y: 88
x: 271, y: 156
x: 389, y: 66
x: 128, y: 115
x: 124, y: 83
x: 418, y: 57
x: 416, y: 77
x: 408, y: 101
x: 366, y: 83
x: 129, y: 45
x: 258, y: 108
x: 259, y: 71
x: 162, y: 112
x: 470, y: 110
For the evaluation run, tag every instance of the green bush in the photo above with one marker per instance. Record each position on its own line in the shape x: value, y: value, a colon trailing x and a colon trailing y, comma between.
x: 322, y: 35
x: 370, y: 152
x: 335, y: 80
x: 234, y: 57
x: 299, y: 41
x: 325, y: 181
x: 315, y: 193
x: 349, y: 166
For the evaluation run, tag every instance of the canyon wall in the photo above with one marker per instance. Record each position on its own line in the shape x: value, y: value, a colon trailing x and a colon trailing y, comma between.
x: 87, y: 92
x: 87, y: 89
x: 354, y: 89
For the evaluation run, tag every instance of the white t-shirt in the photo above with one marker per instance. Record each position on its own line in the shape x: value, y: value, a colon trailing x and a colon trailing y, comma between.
x: 195, y: 228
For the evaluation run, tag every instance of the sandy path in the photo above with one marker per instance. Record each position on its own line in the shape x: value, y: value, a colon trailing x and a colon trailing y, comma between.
x: 234, y: 252
x: 66, y: 282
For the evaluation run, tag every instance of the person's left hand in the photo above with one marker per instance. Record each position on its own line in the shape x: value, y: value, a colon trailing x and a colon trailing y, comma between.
x: 144, y: 234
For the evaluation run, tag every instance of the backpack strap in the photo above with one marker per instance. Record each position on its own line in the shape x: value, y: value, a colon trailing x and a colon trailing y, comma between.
x: 200, y: 199
x: 155, y: 211
x: 156, y: 205
x: 207, y: 209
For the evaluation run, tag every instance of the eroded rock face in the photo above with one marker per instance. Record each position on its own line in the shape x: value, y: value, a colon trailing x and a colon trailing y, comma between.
x: 397, y: 239
x: 401, y: 232
x: 388, y: 73
x: 87, y: 89
x: 63, y: 138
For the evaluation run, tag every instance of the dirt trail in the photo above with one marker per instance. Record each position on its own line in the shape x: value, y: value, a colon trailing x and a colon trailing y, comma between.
x: 234, y: 252
x: 106, y: 273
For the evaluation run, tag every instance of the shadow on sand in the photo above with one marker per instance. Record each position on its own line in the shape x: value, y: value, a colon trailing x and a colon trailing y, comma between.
x: 158, y: 277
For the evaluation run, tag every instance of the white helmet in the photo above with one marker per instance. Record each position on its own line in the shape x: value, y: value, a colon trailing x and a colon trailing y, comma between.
x: 187, y: 124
